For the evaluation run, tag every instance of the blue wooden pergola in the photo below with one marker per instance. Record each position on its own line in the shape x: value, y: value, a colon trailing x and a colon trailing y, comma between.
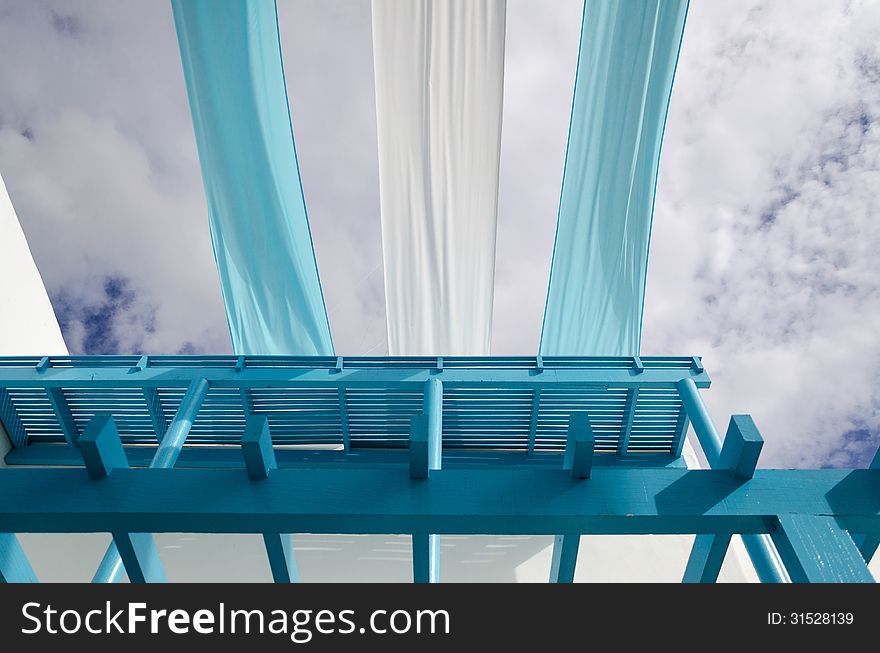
x: 564, y: 446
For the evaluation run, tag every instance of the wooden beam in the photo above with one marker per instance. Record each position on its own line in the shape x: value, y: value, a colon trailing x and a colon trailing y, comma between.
x: 343, y: 420
x: 178, y: 430
x: 282, y: 561
x: 564, y: 560
x: 629, y: 413
x: 102, y: 453
x: 514, y: 501
x: 426, y: 557
x: 533, y: 420
x: 101, y: 448
x: 579, y: 445
x: 63, y: 415
x: 140, y: 557
x: 815, y: 549
x: 14, y: 565
x: 707, y: 435
x: 256, y: 447
x: 707, y: 555
x: 418, y: 447
x: 742, y: 447
x: 138, y: 549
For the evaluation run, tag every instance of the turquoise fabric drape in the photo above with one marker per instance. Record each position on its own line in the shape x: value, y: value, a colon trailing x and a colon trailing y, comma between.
x: 259, y: 228
x: 627, y: 60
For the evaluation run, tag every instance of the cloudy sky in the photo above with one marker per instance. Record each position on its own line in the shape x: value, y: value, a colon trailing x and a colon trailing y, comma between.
x: 763, y: 258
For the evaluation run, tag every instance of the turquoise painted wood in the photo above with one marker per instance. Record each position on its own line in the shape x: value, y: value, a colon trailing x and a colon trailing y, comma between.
x: 739, y: 453
x: 14, y: 565
x: 282, y: 561
x: 760, y: 548
x: 706, y: 558
x: 100, y: 447
x: 615, y: 500
x: 256, y: 447
x: 426, y: 557
x: 816, y: 549
x: 137, y: 550
x: 419, y: 455
x: 578, y: 457
x: 484, y: 439
x: 140, y: 557
x: 63, y: 415
x: 564, y: 560
x: 741, y: 448
x: 102, y: 453
x: 384, y: 458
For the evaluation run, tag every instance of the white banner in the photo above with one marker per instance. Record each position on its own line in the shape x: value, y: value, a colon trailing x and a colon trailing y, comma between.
x: 439, y: 70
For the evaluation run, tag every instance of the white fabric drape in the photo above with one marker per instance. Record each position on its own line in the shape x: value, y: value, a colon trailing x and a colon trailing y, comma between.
x: 439, y: 68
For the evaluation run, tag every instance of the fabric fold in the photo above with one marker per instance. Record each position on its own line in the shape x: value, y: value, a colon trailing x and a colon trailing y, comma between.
x: 231, y: 58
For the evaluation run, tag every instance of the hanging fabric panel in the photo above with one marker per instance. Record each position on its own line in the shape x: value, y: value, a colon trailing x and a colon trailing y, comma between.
x: 439, y: 68
x: 627, y: 60
x: 259, y: 228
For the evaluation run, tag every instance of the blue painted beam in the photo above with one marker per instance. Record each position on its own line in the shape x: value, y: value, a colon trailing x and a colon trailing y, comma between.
x: 765, y: 558
x: 256, y: 447
x: 157, y: 415
x: 343, y: 419
x: 681, y: 428
x: 706, y: 558
x: 175, y: 436
x: 63, y: 414
x: 426, y: 560
x: 629, y: 413
x: 741, y: 448
x: 418, y: 447
x: 135, y: 548
x: 615, y: 500
x: 282, y: 561
x: 579, y: 445
x: 352, y: 376
x: 739, y: 454
x: 868, y: 546
x: 110, y: 569
x: 14, y: 565
x: 704, y: 428
x: 376, y: 458
x: 564, y: 560
x: 533, y: 420
x: 760, y: 548
x: 139, y: 557
x: 426, y: 557
x: 816, y: 549
x: 102, y: 453
x: 433, y: 408
x: 101, y: 448
x: 11, y: 421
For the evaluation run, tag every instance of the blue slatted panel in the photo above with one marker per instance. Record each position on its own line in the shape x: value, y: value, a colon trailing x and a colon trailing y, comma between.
x: 476, y: 418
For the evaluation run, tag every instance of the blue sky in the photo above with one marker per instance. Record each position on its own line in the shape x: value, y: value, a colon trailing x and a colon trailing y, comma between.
x: 763, y: 257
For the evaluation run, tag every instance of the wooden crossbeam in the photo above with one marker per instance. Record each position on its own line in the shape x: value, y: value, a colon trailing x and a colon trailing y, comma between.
x: 14, y: 565
x: 63, y: 414
x: 816, y: 549
x: 564, y: 560
x: 102, y: 453
x: 256, y: 447
x: 579, y: 445
x: 616, y: 500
